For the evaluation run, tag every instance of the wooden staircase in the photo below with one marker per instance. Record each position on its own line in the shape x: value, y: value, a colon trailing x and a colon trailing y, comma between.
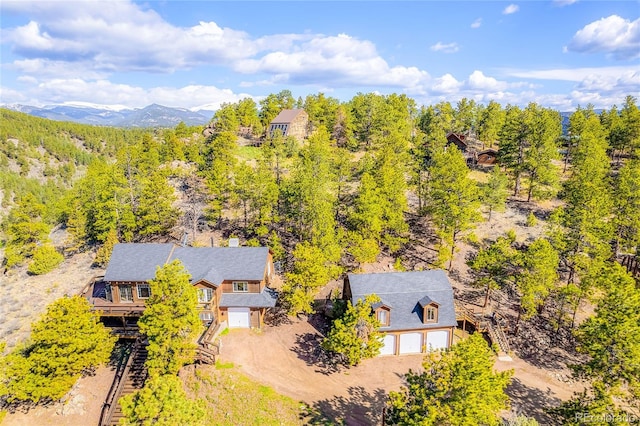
x: 127, y: 380
x: 490, y: 325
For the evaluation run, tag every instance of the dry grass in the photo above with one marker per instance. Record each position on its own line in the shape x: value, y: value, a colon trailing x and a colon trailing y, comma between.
x: 23, y: 297
x: 233, y: 399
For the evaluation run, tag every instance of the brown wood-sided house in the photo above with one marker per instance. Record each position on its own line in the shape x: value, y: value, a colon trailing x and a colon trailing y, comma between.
x: 458, y: 140
x: 232, y: 282
x: 416, y: 308
x: 290, y: 122
x: 488, y: 157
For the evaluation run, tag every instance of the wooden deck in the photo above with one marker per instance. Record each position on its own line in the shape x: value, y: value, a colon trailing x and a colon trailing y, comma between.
x: 493, y: 325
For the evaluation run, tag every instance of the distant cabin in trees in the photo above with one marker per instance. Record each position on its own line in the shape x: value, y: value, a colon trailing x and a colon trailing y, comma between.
x: 232, y: 282
x: 459, y: 140
x: 416, y: 308
x: 488, y: 157
x: 291, y: 122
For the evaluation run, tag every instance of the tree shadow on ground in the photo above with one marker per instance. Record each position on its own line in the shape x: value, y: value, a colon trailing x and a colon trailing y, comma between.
x: 308, y: 348
x: 359, y: 408
x: 532, y: 402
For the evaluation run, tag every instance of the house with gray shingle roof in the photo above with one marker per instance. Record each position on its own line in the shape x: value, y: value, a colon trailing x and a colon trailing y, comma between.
x: 416, y: 308
x: 232, y: 282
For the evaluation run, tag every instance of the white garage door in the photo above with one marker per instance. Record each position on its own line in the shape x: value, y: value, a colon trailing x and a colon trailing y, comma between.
x: 389, y: 343
x: 410, y: 343
x: 437, y: 340
x: 239, y: 317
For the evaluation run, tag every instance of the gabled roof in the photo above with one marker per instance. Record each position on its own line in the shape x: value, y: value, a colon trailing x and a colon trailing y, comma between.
x: 286, y: 116
x: 404, y: 292
x: 425, y: 301
x: 138, y: 262
x: 456, y: 138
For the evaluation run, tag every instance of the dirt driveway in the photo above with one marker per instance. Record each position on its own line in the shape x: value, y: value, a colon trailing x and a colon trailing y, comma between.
x: 286, y: 358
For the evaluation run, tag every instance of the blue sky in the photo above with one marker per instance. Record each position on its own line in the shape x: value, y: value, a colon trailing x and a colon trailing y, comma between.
x: 559, y: 53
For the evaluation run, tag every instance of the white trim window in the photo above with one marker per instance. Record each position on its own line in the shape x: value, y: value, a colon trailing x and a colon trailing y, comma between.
x: 144, y: 291
x: 240, y: 286
x: 126, y: 295
x: 205, y: 295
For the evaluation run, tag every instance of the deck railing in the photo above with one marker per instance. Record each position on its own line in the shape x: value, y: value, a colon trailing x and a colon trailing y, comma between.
x: 116, y: 386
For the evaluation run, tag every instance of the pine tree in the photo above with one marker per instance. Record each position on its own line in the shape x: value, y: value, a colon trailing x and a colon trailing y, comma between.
x: 496, y: 191
x: 626, y: 202
x: 588, y: 204
x: 66, y: 342
x: 155, y: 212
x: 538, y: 277
x: 25, y: 230
x: 104, y: 252
x: 453, y: 200
x: 513, y: 144
x: 311, y: 270
x: 611, y: 338
x: 457, y: 387
x: 45, y: 259
x: 544, y: 130
x: 170, y: 320
x: 491, y: 121
x: 355, y: 336
x: 163, y: 402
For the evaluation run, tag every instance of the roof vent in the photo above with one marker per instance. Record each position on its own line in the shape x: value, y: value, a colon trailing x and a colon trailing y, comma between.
x: 234, y: 242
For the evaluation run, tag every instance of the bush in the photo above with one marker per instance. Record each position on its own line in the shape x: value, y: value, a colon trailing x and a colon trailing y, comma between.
x: 531, y: 220
x: 45, y: 259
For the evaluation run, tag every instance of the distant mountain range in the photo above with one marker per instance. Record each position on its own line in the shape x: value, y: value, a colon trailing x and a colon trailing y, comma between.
x: 151, y: 116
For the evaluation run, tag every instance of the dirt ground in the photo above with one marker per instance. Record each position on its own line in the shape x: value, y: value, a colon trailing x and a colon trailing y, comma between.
x: 23, y: 298
x: 287, y: 358
x: 81, y: 406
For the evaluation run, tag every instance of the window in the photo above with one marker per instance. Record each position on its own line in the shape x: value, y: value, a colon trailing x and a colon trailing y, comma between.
x: 107, y: 293
x: 432, y: 314
x: 206, y: 316
x: 126, y: 295
x: 205, y: 295
x: 144, y: 291
x: 383, y: 317
x: 240, y: 286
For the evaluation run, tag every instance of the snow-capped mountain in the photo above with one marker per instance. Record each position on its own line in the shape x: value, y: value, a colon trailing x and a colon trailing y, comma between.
x: 116, y: 115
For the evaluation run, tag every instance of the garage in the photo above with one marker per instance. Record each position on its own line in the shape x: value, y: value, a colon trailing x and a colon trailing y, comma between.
x: 410, y: 343
x: 437, y: 340
x: 389, y: 345
x: 239, y: 317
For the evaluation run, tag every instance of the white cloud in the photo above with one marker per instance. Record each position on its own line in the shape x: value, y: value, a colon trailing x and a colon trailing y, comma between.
x: 445, y: 48
x: 446, y: 84
x: 476, y: 23
x: 613, y: 34
x: 478, y: 81
x: 338, y: 60
x: 570, y: 74
x: 121, y: 36
x: 562, y: 3
x: 512, y: 8
x: 105, y: 92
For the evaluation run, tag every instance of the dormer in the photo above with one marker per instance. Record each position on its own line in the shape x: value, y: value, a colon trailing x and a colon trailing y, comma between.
x: 382, y: 312
x: 429, y: 310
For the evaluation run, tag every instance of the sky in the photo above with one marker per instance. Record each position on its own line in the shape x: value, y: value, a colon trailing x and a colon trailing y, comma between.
x: 199, y: 54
